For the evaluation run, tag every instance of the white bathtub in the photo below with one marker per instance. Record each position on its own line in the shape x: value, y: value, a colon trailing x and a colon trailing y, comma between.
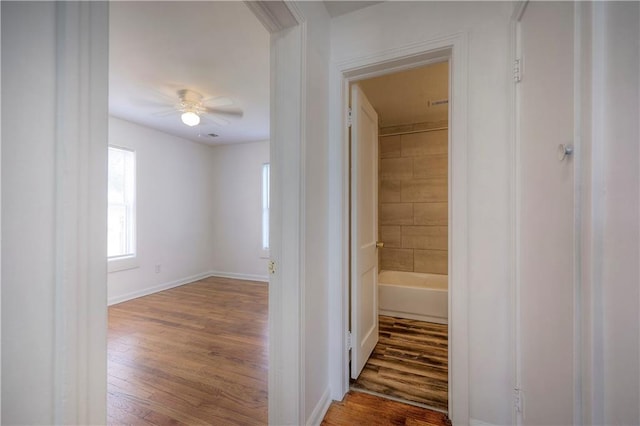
x: 413, y: 295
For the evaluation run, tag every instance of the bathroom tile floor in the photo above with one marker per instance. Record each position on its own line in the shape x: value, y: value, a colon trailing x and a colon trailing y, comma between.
x: 410, y: 362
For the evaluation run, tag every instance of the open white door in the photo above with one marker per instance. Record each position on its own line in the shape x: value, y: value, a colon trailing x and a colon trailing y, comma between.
x: 364, y: 230
x: 546, y: 218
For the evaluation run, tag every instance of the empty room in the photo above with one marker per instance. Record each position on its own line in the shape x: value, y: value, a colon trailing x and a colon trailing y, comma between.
x: 188, y: 182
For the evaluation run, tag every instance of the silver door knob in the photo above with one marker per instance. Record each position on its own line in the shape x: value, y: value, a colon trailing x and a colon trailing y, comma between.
x: 564, y: 150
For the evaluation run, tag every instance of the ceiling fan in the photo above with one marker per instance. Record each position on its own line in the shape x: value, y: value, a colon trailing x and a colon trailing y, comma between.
x: 192, y: 108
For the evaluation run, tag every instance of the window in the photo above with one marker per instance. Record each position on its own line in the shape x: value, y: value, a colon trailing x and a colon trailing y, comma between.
x: 265, y: 206
x: 121, y: 214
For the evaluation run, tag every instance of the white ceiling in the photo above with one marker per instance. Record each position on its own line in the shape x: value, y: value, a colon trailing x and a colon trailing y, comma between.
x: 339, y: 7
x: 404, y: 97
x: 214, y: 48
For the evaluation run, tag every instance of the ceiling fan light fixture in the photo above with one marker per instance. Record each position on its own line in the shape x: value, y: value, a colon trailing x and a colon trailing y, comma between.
x: 190, y: 118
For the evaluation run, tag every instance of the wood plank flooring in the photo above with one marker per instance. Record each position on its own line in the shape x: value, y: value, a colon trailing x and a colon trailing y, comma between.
x: 409, y: 362
x: 363, y: 409
x: 196, y: 355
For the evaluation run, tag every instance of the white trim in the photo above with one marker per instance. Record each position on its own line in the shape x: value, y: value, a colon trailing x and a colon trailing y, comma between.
x: 476, y: 422
x: 458, y: 235
x: 80, y: 320
x: 188, y: 280
x: 0, y: 215
x: 240, y: 276
x: 595, y: 399
x: 286, y: 24
x: 302, y: 205
x: 157, y: 288
x: 578, y: 173
x: 338, y: 245
x: 351, y: 69
x: 274, y: 15
x: 318, y: 413
x: 514, y: 212
x: 122, y: 263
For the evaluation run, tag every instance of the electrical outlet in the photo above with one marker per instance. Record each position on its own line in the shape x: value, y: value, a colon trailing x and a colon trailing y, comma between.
x: 158, y: 268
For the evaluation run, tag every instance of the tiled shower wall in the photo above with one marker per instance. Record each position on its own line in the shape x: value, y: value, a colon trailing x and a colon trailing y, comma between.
x: 412, y: 199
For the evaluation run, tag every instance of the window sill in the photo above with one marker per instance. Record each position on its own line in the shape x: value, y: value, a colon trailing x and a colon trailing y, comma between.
x: 122, y: 263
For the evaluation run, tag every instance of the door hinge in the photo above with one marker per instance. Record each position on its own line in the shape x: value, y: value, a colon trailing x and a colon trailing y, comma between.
x: 517, y: 70
x: 517, y: 400
x: 271, y: 266
x: 349, y: 117
x: 349, y: 341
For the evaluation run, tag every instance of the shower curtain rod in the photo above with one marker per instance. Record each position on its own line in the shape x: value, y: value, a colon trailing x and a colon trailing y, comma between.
x: 414, y: 131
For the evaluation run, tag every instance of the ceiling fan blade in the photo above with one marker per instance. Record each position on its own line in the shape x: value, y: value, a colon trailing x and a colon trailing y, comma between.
x: 216, y: 120
x: 227, y: 112
x: 166, y: 113
x: 145, y: 103
x: 163, y: 96
x: 217, y: 101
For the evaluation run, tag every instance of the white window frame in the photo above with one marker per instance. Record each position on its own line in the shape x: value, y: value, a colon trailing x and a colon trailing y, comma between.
x: 128, y: 261
x: 266, y: 204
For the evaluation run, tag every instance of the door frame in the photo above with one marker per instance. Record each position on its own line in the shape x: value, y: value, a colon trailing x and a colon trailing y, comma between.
x: 79, y: 308
x: 286, y: 376
x: 453, y: 48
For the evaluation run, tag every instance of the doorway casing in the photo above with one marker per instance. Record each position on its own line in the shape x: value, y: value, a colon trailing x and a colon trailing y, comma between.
x: 79, y: 307
x: 452, y: 48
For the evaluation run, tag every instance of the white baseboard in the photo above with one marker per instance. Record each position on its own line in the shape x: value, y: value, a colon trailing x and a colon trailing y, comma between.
x: 318, y: 413
x: 476, y: 422
x: 237, y: 276
x: 157, y: 288
x: 183, y: 281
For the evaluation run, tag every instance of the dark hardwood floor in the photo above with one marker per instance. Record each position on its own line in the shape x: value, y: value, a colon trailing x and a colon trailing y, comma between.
x: 359, y: 408
x: 409, y: 362
x: 198, y: 355
x: 195, y: 355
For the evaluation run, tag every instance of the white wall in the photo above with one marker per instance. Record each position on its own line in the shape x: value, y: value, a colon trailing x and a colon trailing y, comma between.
x: 28, y: 220
x: 54, y: 213
x: 392, y: 25
x: 316, y: 308
x: 199, y: 210
x: 236, y: 178
x: 174, y: 210
x: 621, y: 233
x: 610, y: 245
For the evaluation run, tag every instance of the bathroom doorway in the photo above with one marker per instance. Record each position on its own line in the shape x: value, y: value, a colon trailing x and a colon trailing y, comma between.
x: 400, y: 165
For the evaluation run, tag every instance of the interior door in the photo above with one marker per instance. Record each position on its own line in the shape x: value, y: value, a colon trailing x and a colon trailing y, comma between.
x: 364, y: 230
x: 546, y: 214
